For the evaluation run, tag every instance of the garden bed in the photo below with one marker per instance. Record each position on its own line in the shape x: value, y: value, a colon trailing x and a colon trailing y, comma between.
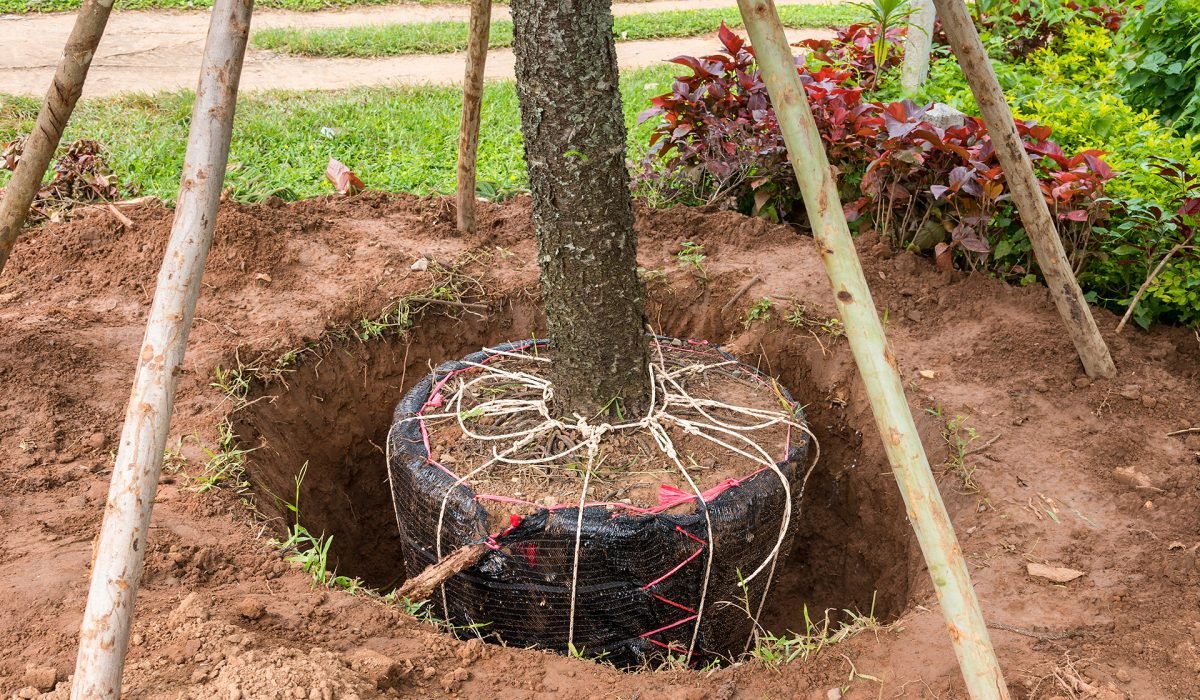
x: 1040, y: 465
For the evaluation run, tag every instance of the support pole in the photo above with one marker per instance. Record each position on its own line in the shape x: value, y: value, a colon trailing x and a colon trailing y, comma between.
x: 117, y: 568
x: 51, y: 121
x: 917, y: 41
x: 468, y: 133
x: 876, y: 363
x: 1026, y: 192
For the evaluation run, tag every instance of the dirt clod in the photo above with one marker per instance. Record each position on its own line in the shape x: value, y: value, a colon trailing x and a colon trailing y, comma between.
x: 41, y: 677
x: 1057, y: 574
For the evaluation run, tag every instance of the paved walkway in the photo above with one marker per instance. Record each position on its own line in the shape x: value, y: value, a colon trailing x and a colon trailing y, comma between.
x: 151, y: 51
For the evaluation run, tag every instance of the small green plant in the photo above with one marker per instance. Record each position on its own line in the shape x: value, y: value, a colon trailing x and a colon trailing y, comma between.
x: 692, y: 255
x: 886, y: 16
x: 233, y: 382
x: 761, y: 311
x: 800, y: 318
x: 226, y: 466
x: 309, y: 551
x: 959, y: 436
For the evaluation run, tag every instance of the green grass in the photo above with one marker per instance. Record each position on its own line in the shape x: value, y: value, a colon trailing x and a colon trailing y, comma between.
x: 395, y: 139
x: 448, y: 37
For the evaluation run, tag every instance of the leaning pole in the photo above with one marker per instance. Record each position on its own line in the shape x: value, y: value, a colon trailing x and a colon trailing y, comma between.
x: 876, y: 362
x: 56, y: 110
x: 117, y: 567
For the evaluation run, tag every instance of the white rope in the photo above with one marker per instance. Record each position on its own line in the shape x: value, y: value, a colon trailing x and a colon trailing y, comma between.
x: 666, y: 392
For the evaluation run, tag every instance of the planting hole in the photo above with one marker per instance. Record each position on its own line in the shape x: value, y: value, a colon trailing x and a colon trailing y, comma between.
x: 853, y: 548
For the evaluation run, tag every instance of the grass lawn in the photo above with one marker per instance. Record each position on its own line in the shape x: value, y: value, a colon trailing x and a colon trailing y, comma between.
x: 398, y: 139
x: 448, y: 37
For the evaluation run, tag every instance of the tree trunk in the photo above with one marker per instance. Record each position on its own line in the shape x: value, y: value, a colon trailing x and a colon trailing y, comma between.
x: 917, y: 41
x: 468, y: 131
x: 582, y: 212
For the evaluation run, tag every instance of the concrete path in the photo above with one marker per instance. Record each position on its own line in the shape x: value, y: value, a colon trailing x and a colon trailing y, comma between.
x: 151, y: 51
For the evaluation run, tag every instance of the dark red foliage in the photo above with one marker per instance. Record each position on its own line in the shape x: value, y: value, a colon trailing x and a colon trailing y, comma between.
x: 900, y: 174
x: 852, y: 49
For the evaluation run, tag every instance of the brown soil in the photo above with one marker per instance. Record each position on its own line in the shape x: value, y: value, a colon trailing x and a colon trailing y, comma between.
x: 220, y: 615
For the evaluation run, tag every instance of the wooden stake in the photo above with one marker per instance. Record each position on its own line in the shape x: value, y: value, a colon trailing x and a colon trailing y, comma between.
x: 117, y: 566
x: 1026, y: 192
x: 468, y: 133
x: 916, y: 46
x: 421, y: 586
x: 51, y: 121
x: 876, y: 363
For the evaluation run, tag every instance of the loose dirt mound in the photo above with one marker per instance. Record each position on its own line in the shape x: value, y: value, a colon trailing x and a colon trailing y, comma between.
x: 1062, y: 471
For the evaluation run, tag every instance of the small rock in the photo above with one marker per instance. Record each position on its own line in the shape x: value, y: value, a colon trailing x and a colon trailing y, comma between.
x: 833, y: 694
x: 96, y: 441
x: 137, y: 640
x: 1083, y: 382
x: 914, y: 316
x: 299, y: 693
x: 1057, y: 574
x: 1132, y: 477
x: 1148, y: 505
x: 235, y: 693
x: 250, y: 608
x: 1133, y: 392
x: 41, y: 677
x: 944, y: 116
x: 1149, y: 401
x: 199, y: 677
x: 192, y: 606
x: 1123, y: 675
x: 928, y: 373
x: 28, y: 692
x: 420, y: 265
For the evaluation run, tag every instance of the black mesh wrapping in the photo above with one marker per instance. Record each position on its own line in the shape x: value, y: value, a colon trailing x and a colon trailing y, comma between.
x: 521, y: 593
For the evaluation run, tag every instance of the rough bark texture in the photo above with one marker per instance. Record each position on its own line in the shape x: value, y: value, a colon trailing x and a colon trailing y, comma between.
x: 1026, y: 192
x: 52, y: 120
x: 574, y: 133
x: 468, y: 132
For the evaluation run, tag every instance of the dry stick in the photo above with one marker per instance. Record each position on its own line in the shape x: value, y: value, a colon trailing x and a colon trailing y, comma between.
x: 117, y: 567
x: 741, y: 290
x: 1146, y: 285
x: 116, y: 213
x: 876, y: 363
x: 51, y: 121
x: 1026, y: 191
x: 421, y: 586
x: 468, y: 133
x: 1184, y: 432
x: 916, y: 46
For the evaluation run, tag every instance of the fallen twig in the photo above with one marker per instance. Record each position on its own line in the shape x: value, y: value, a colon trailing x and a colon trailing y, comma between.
x: 1184, y: 431
x: 1040, y: 636
x: 421, y: 586
x: 447, y: 302
x: 741, y: 290
x: 983, y: 447
x: 1146, y: 285
x: 125, y: 220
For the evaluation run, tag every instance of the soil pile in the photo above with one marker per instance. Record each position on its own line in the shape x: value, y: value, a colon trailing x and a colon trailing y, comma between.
x: 1042, y: 465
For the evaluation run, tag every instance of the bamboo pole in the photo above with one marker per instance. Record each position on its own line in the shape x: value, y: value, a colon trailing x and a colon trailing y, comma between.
x: 1027, y: 194
x: 117, y: 567
x: 876, y: 363
x: 917, y: 41
x: 468, y: 133
x: 56, y: 110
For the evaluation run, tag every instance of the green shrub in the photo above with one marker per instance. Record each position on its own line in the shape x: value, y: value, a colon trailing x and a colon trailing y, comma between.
x: 1161, y: 68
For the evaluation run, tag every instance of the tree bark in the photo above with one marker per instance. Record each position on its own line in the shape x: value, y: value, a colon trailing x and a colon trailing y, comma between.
x: 468, y: 131
x: 574, y: 132
x: 51, y: 121
x: 1026, y: 192
x: 916, y: 46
